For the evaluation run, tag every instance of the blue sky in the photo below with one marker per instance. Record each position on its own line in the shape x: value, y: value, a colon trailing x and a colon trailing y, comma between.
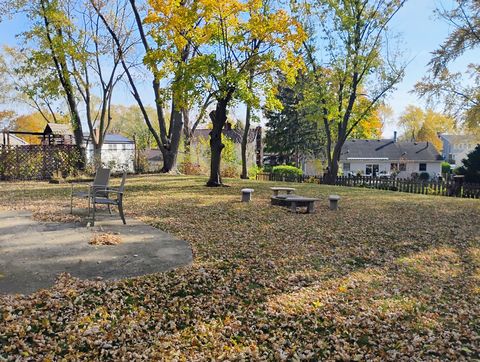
x: 420, y: 33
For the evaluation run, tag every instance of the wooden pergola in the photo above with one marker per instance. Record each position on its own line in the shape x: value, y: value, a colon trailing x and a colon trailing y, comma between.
x: 53, y: 134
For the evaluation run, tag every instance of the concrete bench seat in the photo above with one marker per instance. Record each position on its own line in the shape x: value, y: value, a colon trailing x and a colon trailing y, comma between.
x: 277, y: 189
x: 294, y: 201
x: 247, y: 195
x: 333, y: 201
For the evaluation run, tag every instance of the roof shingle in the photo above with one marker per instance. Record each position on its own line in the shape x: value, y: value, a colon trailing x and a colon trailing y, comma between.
x: 389, y: 150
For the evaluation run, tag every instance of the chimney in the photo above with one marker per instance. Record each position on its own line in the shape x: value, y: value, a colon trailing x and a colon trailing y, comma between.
x: 394, y: 136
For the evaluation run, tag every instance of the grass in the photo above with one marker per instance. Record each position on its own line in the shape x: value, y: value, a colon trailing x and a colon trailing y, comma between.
x: 388, y: 276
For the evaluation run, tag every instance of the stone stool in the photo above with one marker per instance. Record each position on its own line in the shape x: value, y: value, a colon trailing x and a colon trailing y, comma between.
x: 333, y: 201
x: 246, y: 195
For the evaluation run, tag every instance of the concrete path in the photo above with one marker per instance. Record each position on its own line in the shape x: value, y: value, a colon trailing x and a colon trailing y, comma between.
x: 32, y: 253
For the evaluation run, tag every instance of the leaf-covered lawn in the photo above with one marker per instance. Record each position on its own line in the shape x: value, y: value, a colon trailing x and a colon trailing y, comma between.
x: 389, y: 276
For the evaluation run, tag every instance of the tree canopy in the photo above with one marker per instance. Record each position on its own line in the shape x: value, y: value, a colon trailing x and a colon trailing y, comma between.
x: 420, y: 125
x: 458, y: 92
x: 352, y: 72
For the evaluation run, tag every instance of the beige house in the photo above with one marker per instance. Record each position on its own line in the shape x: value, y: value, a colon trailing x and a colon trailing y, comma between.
x: 389, y: 157
x: 457, y: 147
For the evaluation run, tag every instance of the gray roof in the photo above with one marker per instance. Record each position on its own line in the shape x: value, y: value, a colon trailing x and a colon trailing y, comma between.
x: 112, y: 138
x: 116, y: 138
x: 58, y: 129
x: 458, y: 138
x: 389, y: 150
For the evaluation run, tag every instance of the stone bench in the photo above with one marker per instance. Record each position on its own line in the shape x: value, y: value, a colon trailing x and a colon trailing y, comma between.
x: 294, y: 201
x: 334, y: 201
x: 247, y: 195
x: 277, y: 189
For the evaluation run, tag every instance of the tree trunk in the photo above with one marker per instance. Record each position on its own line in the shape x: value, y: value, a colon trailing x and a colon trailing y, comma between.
x: 219, y: 118
x: 331, y: 175
x: 170, y: 154
x: 97, y: 155
x: 245, y: 141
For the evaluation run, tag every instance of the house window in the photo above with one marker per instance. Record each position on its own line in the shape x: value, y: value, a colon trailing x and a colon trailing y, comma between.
x: 402, y: 167
x: 346, y: 167
x: 422, y: 167
x: 371, y: 170
x: 112, y: 147
x: 393, y: 166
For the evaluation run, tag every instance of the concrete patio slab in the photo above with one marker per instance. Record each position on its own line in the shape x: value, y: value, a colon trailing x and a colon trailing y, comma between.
x: 33, y: 253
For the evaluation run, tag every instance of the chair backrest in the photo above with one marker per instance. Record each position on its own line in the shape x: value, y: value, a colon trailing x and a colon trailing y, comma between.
x: 102, y: 177
x: 121, y: 188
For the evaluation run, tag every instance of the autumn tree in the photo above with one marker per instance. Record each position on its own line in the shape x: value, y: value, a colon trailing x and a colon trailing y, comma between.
x: 459, y: 96
x: 352, y: 69
x: 424, y: 126
x: 231, y: 39
x: 129, y: 121
x: 371, y: 126
x: 32, y: 122
x: 50, y: 49
x: 71, y: 56
x: 24, y: 85
x: 95, y: 62
x: 166, y: 60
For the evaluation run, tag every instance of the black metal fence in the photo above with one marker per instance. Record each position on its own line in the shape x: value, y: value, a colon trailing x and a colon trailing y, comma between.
x: 38, y: 162
x: 453, y: 187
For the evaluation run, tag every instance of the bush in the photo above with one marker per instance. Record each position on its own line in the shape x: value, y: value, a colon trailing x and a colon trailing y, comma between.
x: 230, y: 171
x: 190, y: 168
x: 253, y: 172
x: 446, y: 168
x: 312, y: 180
x: 287, y: 171
x: 267, y: 168
x: 424, y: 176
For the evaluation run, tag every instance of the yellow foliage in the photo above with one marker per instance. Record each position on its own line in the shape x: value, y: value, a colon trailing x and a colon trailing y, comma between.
x: 230, y: 39
x: 32, y: 122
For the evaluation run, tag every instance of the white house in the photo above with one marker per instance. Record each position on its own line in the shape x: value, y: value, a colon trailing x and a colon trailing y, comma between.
x: 457, y: 147
x: 118, y: 152
x: 9, y: 139
x: 388, y: 157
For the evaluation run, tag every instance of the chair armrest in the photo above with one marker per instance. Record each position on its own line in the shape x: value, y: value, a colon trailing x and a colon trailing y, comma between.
x: 114, y: 191
x: 105, y: 190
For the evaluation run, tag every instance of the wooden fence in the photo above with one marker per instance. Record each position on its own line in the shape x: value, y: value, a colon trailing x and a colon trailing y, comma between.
x: 452, y: 187
x: 37, y: 162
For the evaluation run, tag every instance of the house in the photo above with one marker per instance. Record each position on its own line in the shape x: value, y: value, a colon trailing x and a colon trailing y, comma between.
x: 9, y: 139
x: 457, y: 147
x: 390, y: 157
x: 118, y: 152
